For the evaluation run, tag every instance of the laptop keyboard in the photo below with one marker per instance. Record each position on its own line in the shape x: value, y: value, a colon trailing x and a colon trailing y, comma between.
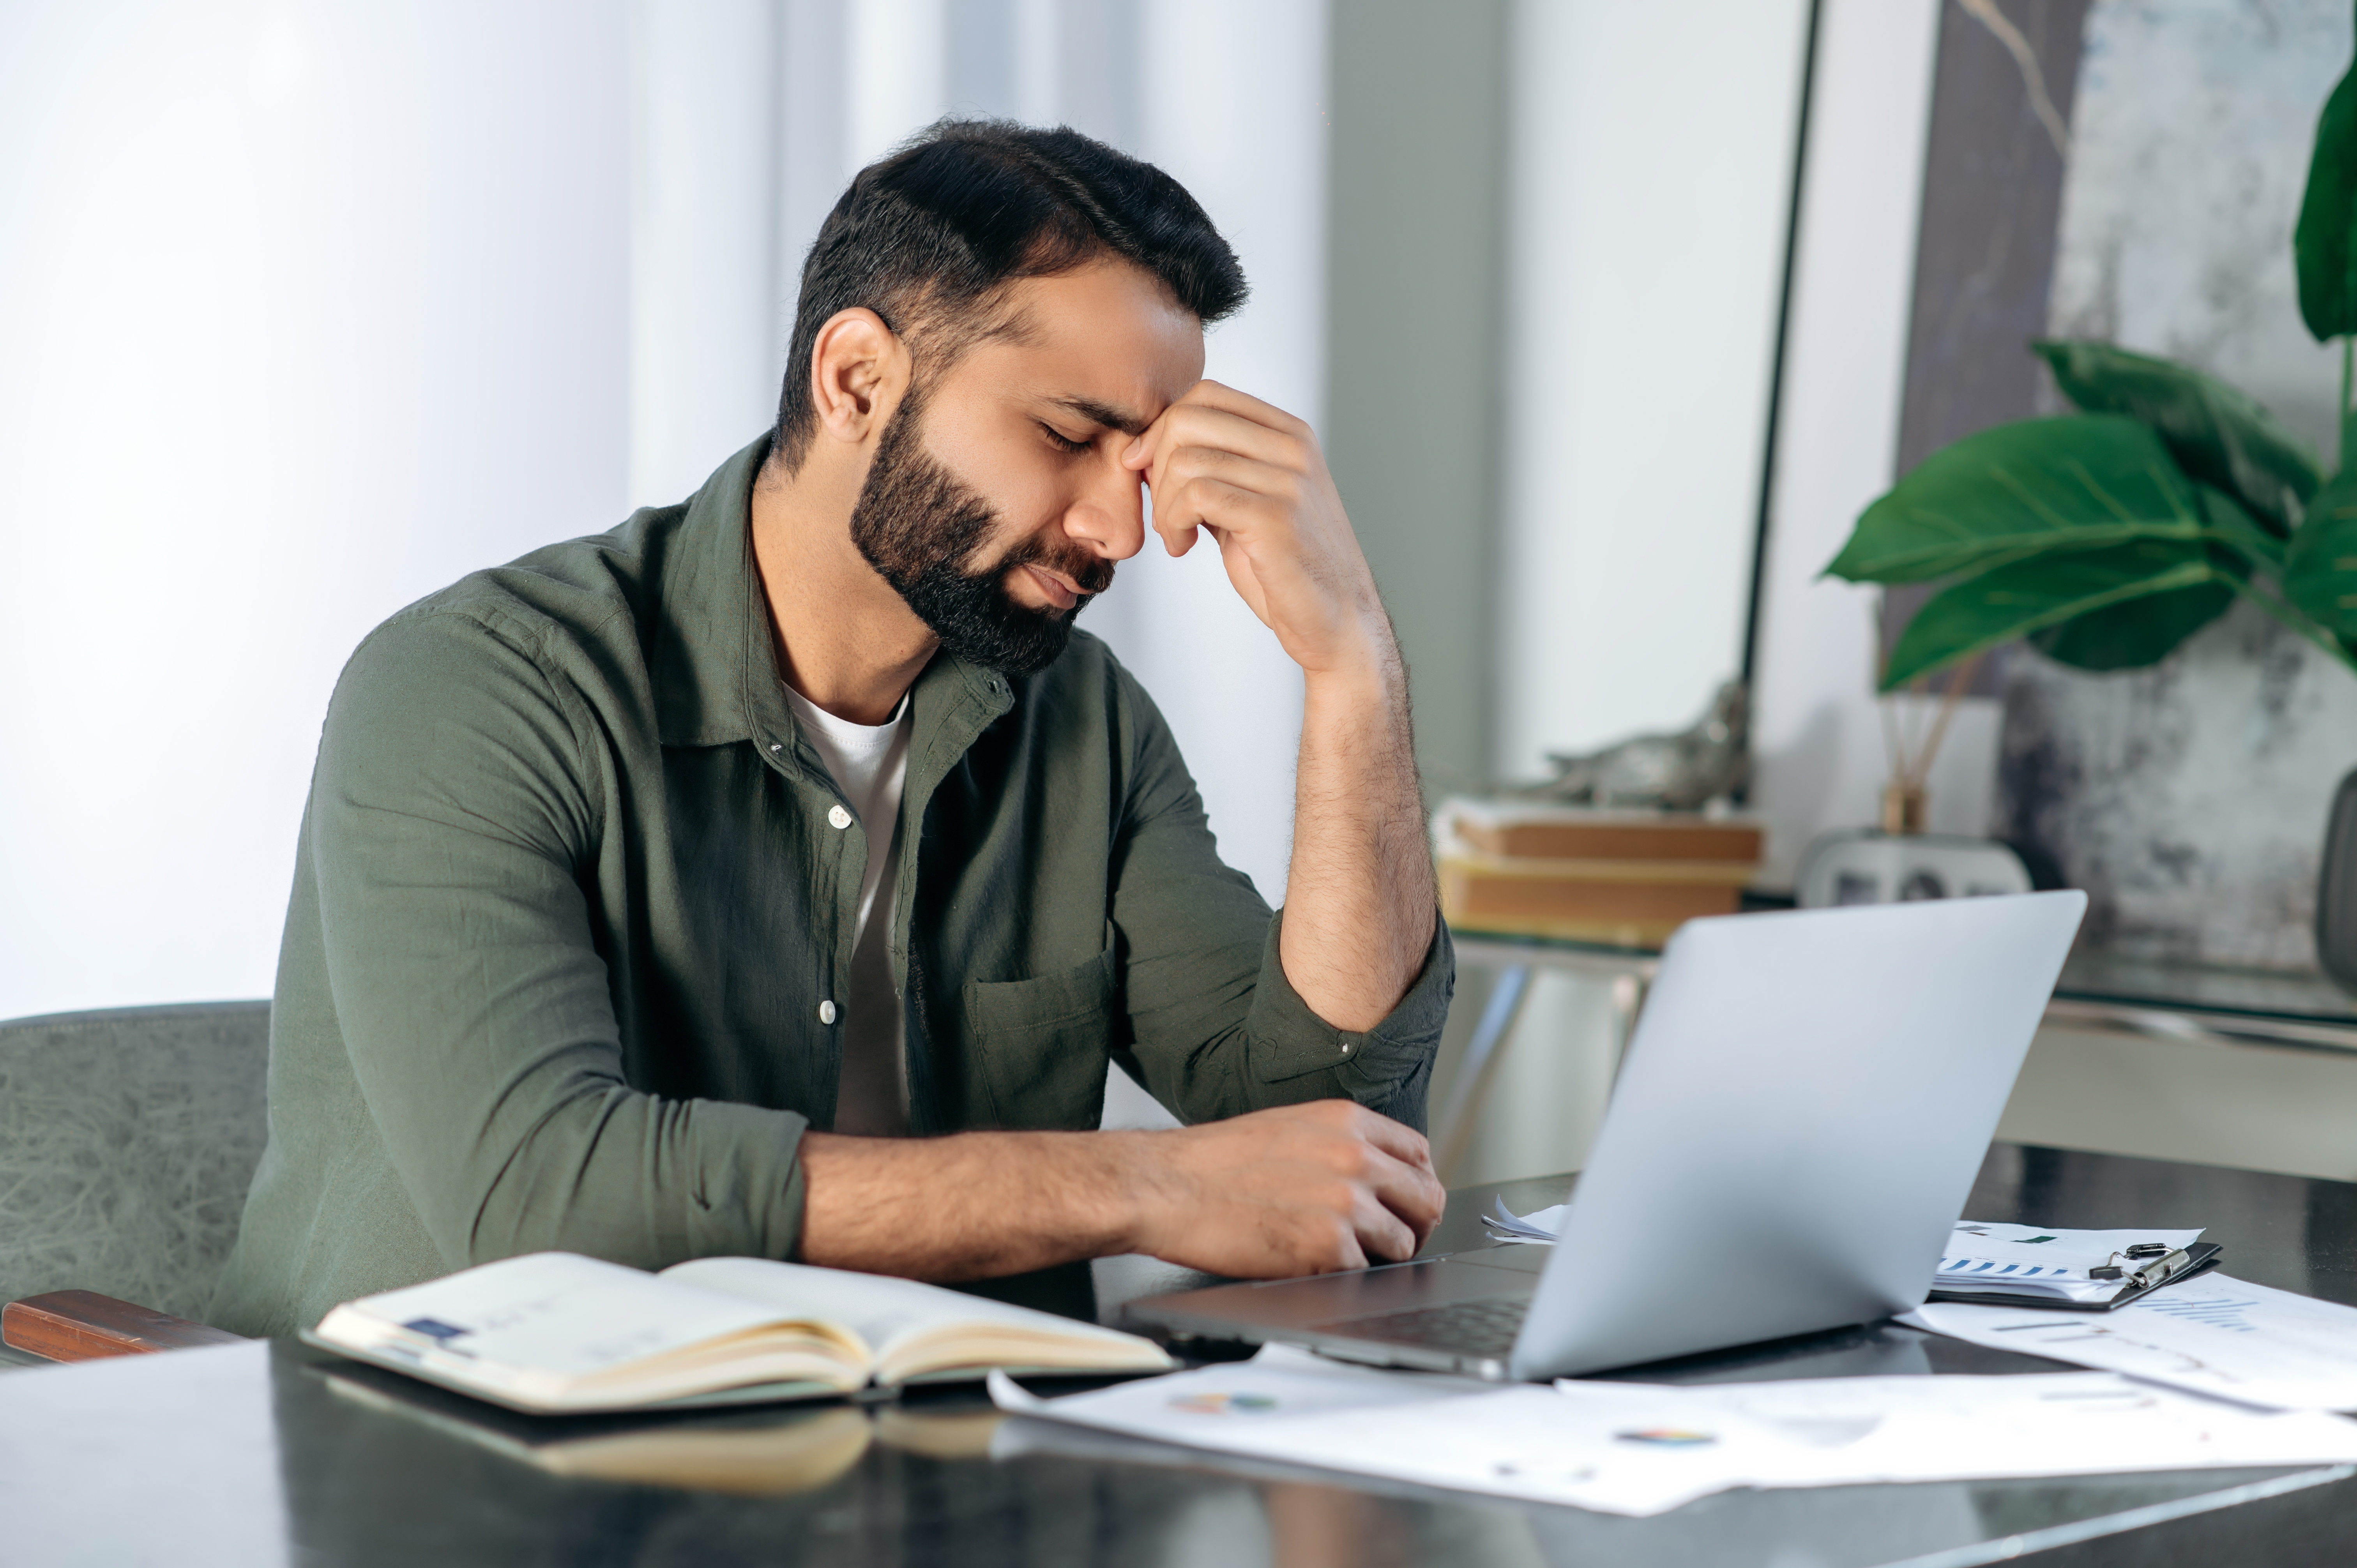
x: 1472, y: 1327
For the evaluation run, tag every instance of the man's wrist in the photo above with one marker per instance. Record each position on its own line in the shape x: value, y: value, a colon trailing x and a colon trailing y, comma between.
x: 1363, y: 689
x: 1130, y: 1182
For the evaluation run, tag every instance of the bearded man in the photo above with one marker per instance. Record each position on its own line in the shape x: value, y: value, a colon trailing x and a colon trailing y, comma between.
x: 779, y: 873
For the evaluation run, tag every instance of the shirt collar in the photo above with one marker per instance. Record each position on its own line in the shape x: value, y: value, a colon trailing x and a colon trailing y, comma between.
x: 713, y: 669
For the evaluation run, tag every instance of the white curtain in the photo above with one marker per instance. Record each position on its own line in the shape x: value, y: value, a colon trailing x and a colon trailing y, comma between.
x: 306, y: 308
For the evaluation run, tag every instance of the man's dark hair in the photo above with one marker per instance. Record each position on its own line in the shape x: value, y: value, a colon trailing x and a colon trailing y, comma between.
x: 929, y: 238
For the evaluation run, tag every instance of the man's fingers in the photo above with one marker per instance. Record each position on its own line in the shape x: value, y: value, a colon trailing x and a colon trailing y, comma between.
x: 1200, y: 486
x: 1212, y: 394
x: 1351, y: 1252
x: 1395, y: 1138
x: 1381, y: 1233
x: 1222, y: 417
x: 1410, y: 1194
x: 1201, y: 502
x: 1183, y: 425
x: 1176, y: 466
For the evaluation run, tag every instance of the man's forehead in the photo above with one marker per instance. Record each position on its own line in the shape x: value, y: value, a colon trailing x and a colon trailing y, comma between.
x: 1104, y: 342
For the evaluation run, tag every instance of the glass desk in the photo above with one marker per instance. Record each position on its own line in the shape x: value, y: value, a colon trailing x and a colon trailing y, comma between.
x: 261, y: 1454
x: 2098, y: 990
x: 2183, y: 999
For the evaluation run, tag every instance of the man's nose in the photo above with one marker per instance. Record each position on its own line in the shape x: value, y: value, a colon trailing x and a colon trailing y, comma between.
x: 1109, y: 514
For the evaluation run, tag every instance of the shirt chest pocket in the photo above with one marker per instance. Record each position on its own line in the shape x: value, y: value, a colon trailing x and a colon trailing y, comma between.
x: 1043, y: 1046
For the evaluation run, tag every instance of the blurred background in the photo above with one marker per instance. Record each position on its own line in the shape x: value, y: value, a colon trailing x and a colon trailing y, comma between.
x: 1603, y: 311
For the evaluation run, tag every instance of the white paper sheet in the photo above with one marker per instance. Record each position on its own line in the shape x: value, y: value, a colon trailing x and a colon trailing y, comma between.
x: 2213, y: 1334
x: 1638, y: 1448
x: 1540, y: 1227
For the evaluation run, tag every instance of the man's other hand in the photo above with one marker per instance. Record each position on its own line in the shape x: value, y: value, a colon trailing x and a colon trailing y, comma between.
x: 1300, y: 1189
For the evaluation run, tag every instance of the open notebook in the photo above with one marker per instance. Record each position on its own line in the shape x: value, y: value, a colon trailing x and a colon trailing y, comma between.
x: 555, y: 1333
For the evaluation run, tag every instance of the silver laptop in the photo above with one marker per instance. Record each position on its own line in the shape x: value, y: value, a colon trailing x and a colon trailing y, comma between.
x: 1804, y: 1106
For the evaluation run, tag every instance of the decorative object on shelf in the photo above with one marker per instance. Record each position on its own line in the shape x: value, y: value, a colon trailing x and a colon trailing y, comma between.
x: 1864, y: 865
x: 1709, y: 759
x: 1901, y: 861
x: 1624, y: 878
x: 2108, y: 537
x: 1907, y: 799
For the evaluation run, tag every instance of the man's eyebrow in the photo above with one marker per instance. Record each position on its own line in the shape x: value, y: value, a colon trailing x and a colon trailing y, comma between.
x: 1103, y: 414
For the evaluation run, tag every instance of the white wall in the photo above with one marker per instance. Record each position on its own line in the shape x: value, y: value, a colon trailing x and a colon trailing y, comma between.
x: 309, y: 308
x: 1649, y: 188
x: 1817, y: 735
x: 707, y: 333
x: 1819, y: 738
x: 1649, y: 184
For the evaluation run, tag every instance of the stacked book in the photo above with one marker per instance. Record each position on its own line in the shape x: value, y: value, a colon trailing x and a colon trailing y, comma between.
x: 1624, y: 877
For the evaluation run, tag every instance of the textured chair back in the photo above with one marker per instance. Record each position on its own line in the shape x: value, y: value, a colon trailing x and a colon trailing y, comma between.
x: 127, y: 1140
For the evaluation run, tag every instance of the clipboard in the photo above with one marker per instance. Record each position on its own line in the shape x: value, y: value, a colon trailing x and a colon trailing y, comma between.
x: 2199, y: 1257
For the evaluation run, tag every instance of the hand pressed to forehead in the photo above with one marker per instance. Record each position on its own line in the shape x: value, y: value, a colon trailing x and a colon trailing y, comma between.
x: 1250, y: 476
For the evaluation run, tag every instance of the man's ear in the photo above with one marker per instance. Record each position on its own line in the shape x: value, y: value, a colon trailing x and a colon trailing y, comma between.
x: 859, y: 373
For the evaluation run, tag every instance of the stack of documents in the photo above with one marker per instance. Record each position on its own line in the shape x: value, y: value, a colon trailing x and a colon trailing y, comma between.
x: 2034, y: 1260
x: 1641, y: 1448
x: 1981, y: 1258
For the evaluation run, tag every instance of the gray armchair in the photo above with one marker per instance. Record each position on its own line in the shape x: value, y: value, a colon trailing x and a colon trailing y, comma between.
x: 127, y: 1140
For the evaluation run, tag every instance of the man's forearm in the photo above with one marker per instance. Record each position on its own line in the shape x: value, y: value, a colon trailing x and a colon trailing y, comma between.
x: 1294, y: 1190
x: 974, y: 1205
x: 1359, y: 908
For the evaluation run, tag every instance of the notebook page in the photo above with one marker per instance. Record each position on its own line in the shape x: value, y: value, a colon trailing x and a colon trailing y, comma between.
x: 553, y: 1314
x: 885, y: 1312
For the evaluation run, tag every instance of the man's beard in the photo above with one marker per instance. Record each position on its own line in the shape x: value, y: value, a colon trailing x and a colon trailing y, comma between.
x: 918, y: 525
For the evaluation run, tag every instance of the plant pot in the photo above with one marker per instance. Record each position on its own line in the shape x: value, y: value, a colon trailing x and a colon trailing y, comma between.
x: 2186, y: 798
x: 2336, y: 889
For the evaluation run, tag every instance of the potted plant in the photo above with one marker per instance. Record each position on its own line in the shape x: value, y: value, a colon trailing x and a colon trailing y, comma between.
x: 2108, y: 537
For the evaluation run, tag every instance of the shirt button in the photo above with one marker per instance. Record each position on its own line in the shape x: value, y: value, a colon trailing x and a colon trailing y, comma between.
x: 837, y: 817
x: 827, y: 1011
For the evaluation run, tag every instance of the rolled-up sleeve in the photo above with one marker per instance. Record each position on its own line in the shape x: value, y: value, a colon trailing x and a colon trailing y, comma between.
x: 1218, y: 1028
x: 453, y: 819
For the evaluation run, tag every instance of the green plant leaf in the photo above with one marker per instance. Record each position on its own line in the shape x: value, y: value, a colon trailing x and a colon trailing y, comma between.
x: 2218, y: 433
x: 2320, y: 578
x: 2324, y: 241
x: 2229, y: 525
x: 2141, y: 631
x: 2135, y: 633
x: 2026, y: 596
x: 2020, y: 490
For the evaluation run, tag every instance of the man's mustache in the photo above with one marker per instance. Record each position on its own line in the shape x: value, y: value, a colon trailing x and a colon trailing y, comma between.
x: 1090, y: 573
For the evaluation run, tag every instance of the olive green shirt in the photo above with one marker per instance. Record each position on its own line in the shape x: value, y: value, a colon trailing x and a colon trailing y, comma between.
x: 567, y: 903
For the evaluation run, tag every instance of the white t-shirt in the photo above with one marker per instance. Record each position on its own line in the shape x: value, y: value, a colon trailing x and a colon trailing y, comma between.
x: 869, y: 764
